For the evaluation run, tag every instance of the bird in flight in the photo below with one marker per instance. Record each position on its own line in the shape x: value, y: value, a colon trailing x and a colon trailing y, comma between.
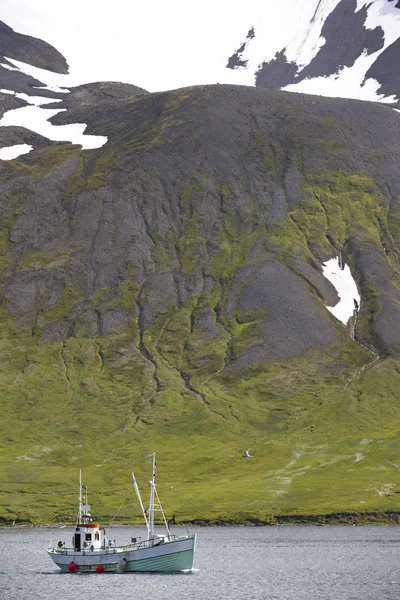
x: 246, y: 454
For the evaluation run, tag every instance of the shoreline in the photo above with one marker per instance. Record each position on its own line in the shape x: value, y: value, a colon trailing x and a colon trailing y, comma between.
x: 318, y: 520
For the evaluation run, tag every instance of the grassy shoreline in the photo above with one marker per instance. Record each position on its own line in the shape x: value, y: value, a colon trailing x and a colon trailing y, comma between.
x: 339, y: 518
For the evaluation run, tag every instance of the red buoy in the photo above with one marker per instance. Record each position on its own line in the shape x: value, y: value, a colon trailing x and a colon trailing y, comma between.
x: 99, y: 569
x: 72, y: 567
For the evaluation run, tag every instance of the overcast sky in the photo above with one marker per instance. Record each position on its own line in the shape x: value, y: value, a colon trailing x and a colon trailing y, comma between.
x: 157, y: 44
x: 166, y: 44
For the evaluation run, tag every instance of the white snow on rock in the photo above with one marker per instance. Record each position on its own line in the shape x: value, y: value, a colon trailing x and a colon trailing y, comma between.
x: 37, y: 100
x: 184, y: 47
x: 12, y: 152
x: 36, y: 118
x: 299, y: 31
x: 346, y: 84
x: 346, y: 287
x: 349, y: 83
x: 8, y: 67
x: 207, y: 40
x: 51, y: 80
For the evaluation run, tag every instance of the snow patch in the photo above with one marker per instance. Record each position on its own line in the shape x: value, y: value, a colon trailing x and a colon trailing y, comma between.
x: 36, y: 118
x: 309, y: 35
x: 11, y: 152
x: 8, y: 67
x: 382, y: 14
x: 349, y: 83
x: 346, y: 287
x: 37, y: 100
x: 346, y: 84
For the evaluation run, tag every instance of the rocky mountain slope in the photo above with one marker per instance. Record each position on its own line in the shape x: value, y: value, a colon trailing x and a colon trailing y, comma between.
x: 165, y: 291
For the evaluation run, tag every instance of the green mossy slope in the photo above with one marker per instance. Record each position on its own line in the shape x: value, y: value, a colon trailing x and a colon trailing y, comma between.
x: 127, y: 325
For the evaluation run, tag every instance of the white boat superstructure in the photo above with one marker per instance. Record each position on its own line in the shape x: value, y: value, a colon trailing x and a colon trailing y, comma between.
x: 91, y: 551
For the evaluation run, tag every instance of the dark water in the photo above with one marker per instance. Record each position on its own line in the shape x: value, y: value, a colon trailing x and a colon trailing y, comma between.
x: 282, y: 563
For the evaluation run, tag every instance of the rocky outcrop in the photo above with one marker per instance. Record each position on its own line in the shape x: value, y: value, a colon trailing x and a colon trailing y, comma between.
x: 30, y: 50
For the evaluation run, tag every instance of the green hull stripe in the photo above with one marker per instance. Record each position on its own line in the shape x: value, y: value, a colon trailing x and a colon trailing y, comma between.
x: 177, y: 561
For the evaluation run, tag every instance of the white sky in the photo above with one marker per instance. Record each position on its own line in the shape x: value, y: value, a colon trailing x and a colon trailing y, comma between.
x: 162, y: 45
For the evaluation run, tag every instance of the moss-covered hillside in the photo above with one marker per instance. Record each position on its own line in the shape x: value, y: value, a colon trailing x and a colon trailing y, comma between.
x: 165, y: 293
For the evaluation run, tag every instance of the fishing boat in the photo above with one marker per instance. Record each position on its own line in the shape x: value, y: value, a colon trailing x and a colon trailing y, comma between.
x: 92, y: 552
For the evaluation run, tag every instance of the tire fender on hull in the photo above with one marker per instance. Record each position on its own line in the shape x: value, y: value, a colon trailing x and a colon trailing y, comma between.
x: 121, y: 567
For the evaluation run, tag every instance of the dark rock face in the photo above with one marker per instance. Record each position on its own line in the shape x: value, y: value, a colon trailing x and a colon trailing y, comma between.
x: 96, y: 95
x: 19, y: 135
x: 346, y: 39
x: 30, y: 50
x: 9, y: 102
x: 22, y: 83
x: 236, y: 61
x: 290, y: 306
x: 33, y: 52
x: 386, y: 70
x: 276, y: 73
x: 191, y: 199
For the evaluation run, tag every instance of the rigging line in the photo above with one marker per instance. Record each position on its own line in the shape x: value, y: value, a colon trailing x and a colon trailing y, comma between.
x: 120, y: 506
x: 165, y: 502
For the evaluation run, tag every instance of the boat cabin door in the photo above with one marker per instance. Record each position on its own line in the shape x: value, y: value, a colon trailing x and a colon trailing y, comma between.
x: 77, y: 542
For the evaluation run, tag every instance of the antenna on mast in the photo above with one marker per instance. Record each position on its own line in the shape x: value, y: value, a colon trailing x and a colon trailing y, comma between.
x: 154, y: 502
x: 80, y: 497
x: 152, y: 484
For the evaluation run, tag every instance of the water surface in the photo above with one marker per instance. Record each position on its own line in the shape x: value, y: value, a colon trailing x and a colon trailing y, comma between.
x: 238, y: 563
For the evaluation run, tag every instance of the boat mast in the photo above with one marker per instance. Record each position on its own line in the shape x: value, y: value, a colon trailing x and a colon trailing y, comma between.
x: 80, y: 497
x: 152, y: 488
x: 140, y: 501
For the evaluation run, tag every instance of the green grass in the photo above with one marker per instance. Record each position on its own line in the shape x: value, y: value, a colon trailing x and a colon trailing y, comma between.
x: 319, y: 446
x: 323, y: 427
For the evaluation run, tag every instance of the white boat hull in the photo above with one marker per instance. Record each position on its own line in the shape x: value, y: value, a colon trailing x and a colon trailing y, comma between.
x: 169, y: 556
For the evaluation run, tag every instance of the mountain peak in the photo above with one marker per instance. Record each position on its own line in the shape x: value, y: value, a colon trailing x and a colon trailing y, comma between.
x: 30, y: 50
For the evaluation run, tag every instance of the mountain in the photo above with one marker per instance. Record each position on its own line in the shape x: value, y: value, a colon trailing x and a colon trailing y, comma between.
x: 14, y: 45
x: 165, y: 291
x: 342, y: 48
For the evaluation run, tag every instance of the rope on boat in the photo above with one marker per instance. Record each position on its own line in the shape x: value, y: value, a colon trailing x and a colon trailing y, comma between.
x: 120, y: 506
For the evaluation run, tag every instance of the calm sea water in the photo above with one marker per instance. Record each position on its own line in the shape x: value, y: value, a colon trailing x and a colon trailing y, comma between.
x: 255, y: 563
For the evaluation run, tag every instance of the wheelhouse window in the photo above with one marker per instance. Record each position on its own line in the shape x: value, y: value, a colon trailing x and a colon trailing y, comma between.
x: 96, y: 536
x: 88, y: 537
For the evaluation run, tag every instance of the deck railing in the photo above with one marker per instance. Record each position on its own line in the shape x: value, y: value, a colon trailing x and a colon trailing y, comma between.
x: 139, y: 545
